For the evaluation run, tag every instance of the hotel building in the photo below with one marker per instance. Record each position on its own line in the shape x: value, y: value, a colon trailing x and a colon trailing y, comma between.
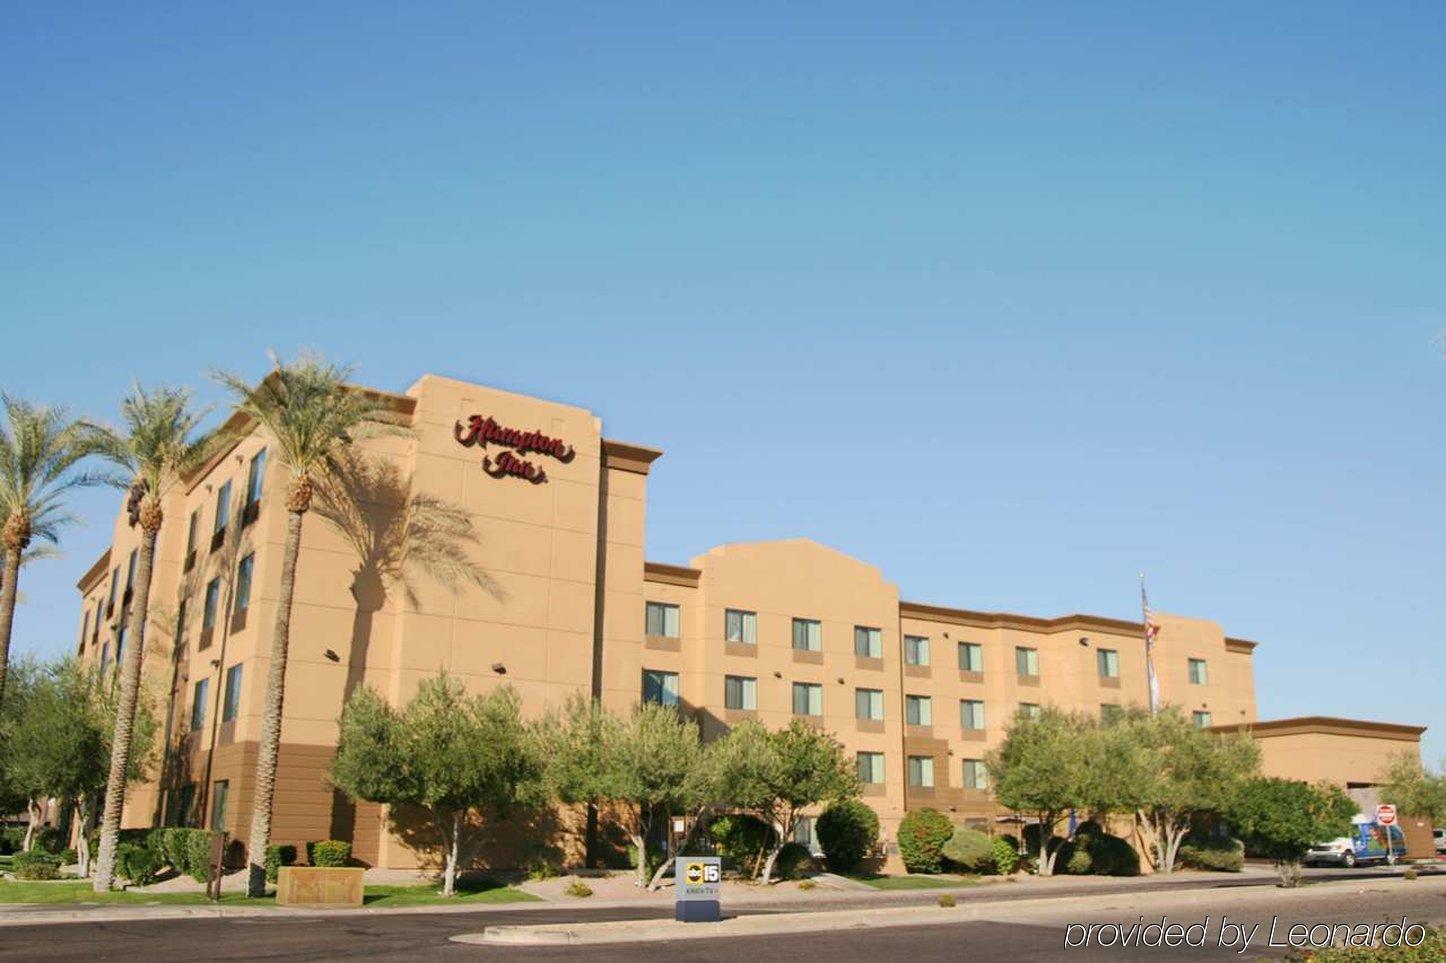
x: 570, y: 604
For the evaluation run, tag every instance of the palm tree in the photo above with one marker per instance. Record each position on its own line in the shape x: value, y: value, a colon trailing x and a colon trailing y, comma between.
x: 39, y: 449
x: 157, y: 449
x: 312, y: 416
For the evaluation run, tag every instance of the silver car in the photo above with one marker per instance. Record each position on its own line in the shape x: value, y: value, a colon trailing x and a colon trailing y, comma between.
x: 1338, y: 852
x: 1439, y: 835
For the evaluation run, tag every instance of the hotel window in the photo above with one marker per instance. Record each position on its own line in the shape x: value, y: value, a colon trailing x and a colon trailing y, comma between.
x: 1202, y: 719
x: 114, y: 582
x: 223, y: 510
x: 104, y: 658
x: 662, y: 619
x: 868, y: 643
x: 1029, y: 710
x: 232, y: 704
x: 660, y: 687
x: 971, y: 657
x: 131, y: 570
x: 918, y: 710
x: 198, y: 705
x: 243, y: 583
x: 740, y: 626
x: 192, y: 528
x: 255, y: 478
x: 1198, y: 673
x: 869, y: 704
x: 740, y: 692
x: 808, y: 635
x: 871, y: 768
x: 181, y: 621
x: 1109, y: 663
x: 974, y: 774
x: 1109, y: 712
x: 213, y: 601
x: 85, y: 629
x: 807, y: 699
x: 1026, y: 660
x: 120, y: 644
x: 220, y: 793
x: 916, y: 650
x: 803, y: 832
x: 178, y: 812
x: 921, y: 772
x: 971, y: 714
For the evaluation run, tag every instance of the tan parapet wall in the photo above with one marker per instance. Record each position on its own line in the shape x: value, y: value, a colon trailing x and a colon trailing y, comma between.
x: 561, y: 614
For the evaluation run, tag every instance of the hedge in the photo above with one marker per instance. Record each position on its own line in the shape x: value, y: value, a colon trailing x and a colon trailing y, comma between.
x: 847, y: 832
x: 971, y: 851
x: 36, y: 864
x: 328, y: 852
x: 1099, y: 854
x: 278, y: 856
x: 1006, y: 854
x: 1225, y: 855
x: 922, y: 836
x: 794, y: 861
x: 139, y: 864
x: 740, y: 838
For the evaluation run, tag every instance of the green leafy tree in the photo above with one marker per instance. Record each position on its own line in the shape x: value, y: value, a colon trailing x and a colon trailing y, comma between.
x: 57, y: 744
x: 1279, y: 819
x: 462, y: 758
x: 158, y: 447
x: 1171, y: 772
x: 847, y: 832
x: 778, y: 775
x: 311, y: 416
x: 39, y: 452
x: 1413, y: 789
x: 639, y: 764
x: 1042, y: 770
x: 923, y: 833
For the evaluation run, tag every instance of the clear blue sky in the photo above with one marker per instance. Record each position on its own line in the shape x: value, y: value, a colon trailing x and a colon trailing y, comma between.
x: 1013, y: 301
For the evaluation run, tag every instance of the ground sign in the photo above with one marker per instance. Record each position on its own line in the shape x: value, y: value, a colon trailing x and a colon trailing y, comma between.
x: 697, y: 889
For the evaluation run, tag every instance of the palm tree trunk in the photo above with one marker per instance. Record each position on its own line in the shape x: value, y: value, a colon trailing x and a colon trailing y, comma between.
x: 270, y: 742
x: 9, y: 576
x: 125, y: 713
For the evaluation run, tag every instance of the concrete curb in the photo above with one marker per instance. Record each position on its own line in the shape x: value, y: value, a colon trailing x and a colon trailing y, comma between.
x: 664, y: 930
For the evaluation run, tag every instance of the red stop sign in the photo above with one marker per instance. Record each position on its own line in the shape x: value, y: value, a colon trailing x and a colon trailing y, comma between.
x: 1385, y: 814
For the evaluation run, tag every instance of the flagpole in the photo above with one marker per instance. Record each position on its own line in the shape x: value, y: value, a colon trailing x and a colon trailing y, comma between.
x: 1153, y: 680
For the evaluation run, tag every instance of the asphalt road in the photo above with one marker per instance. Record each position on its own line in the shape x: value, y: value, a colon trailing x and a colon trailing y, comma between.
x: 1012, y: 934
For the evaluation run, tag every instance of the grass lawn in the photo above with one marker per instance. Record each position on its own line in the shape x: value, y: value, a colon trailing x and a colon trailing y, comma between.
x: 79, y: 892
x: 917, y: 882
x: 429, y: 894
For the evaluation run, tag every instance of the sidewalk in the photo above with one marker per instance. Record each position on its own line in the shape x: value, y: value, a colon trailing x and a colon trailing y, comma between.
x: 1034, y: 909
x: 738, y: 898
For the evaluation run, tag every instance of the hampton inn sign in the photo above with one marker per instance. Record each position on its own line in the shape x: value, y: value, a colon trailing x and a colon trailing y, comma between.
x: 479, y: 431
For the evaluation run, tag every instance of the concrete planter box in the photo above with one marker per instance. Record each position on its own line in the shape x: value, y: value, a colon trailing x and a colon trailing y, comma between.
x: 319, y: 886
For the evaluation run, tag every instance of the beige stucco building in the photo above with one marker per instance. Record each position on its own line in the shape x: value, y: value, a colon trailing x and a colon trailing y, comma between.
x: 571, y: 604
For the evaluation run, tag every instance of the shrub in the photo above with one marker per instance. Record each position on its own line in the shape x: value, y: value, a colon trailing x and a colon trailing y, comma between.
x: 1212, y: 853
x: 11, y: 839
x: 579, y: 889
x: 847, y: 832
x: 1432, y: 949
x: 1099, y: 854
x: 922, y: 836
x: 36, y: 864
x: 1411, y: 873
x: 740, y: 839
x: 328, y: 852
x: 1005, y: 851
x: 278, y: 856
x: 68, y: 857
x: 794, y: 861
x: 49, y: 839
x: 198, y: 855
x: 947, y: 900
x: 810, y: 884
x: 970, y: 851
x: 542, y: 861
x: 174, y: 848
x: 138, y: 864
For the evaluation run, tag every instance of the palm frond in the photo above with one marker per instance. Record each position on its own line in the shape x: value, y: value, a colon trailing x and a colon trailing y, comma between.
x: 160, y: 441
x: 310, y: 411
x: 40, y: 448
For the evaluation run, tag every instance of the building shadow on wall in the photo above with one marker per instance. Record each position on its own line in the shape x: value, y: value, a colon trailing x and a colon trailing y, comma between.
x: 397, y: 534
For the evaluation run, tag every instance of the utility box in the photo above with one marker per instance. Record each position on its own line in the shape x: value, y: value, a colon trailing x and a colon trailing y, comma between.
x: 319, y: 886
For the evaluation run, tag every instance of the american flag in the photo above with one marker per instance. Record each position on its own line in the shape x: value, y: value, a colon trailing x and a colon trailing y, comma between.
x: 1152, y: 630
